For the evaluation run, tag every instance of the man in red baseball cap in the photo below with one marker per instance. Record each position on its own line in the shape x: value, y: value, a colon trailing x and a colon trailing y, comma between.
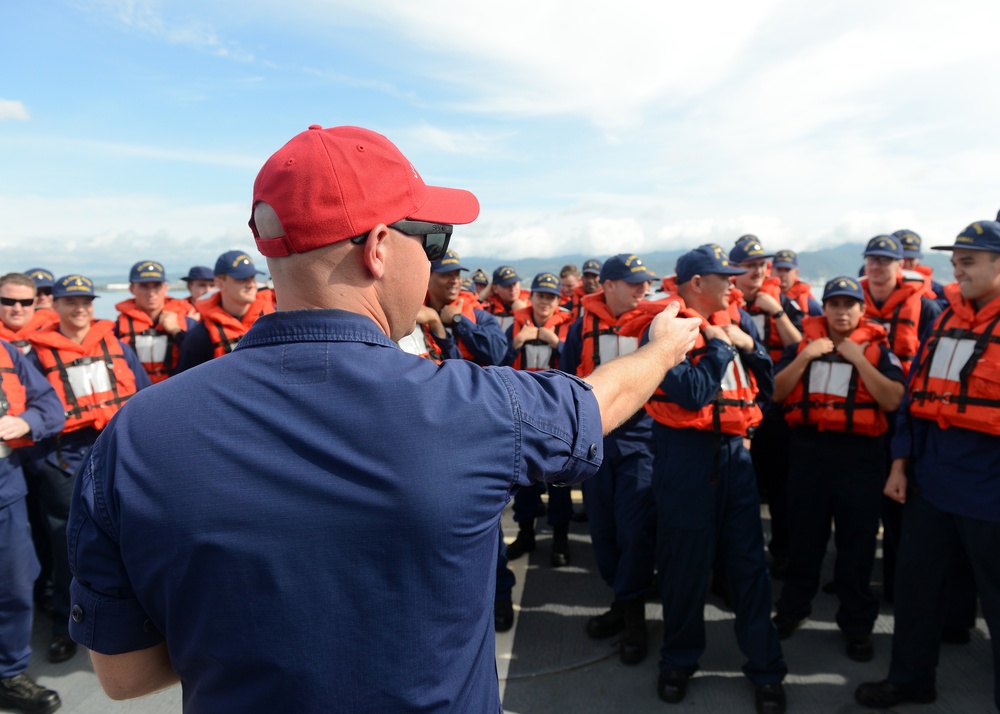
x: 321, y: 533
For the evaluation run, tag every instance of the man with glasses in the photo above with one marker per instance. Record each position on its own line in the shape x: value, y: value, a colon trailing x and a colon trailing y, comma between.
x: 44, y: 280
x: 325, y: 535
x: 18, y: 316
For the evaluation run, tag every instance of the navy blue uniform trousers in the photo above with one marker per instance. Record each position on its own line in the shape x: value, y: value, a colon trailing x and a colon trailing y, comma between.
x: 707, y: 505
x: 18, y: 570
x: 528, y: 501
x: 622, y: 514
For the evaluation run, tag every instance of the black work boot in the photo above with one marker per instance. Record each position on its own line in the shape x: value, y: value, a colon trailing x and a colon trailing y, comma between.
x: 560, y: 545
x: 633, y: 649
x: 608, y: 623
x: 20, y: 692
x: 525, y: 541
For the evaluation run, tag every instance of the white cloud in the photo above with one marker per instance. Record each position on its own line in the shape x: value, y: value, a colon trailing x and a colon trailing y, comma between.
x: 13, y: 109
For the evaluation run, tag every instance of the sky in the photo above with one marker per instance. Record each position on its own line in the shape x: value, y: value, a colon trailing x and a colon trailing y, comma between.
x: 133, y: 129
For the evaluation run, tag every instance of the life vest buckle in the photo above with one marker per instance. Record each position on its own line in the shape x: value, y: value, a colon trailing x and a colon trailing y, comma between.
x: 945, y: 398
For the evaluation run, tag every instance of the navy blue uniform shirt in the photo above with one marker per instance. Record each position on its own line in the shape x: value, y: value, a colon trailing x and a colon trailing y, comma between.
x: 320, y: 533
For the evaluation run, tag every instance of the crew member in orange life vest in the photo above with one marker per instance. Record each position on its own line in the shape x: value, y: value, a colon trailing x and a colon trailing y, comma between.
x: 912, y: 255
x: 785, y: 267
x: 708, y: 509
x: 451, y: 324
x: 481, y: 283
x: 200, y: 281
x: 778, y: 321
x: 618, y: 499
x: 505, y: 296
x: 18, y: 316
x: 946, y: 462
x: 94, y: 373
x: 226, y: 315
x: 535, y: 339
x: 590, y: 283
x: 44, y: 280
x: 837, y: 385
x: 152, y: 323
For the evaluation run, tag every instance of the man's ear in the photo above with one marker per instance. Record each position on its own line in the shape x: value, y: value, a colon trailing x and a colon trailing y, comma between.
x: 374, y: 250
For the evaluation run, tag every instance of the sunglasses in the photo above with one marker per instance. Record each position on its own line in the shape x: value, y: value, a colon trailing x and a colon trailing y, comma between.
x: 44, y: 291
x: 435, y: 236
x: 11, y: 302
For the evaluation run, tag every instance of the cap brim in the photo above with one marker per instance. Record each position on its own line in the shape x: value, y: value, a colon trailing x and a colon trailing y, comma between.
x: 783, y: 264
x: 447, y: 268
x: 454, y: 206
x: 641, y: 278
x: 731, y: 270
x: 882, y: 254
x: 964, y: 246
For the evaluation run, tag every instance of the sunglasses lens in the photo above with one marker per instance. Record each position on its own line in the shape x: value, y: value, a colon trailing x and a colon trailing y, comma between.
x: 435, y: 245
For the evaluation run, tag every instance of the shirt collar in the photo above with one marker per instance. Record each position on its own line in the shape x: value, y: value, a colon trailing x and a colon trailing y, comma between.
x: 314, y: 326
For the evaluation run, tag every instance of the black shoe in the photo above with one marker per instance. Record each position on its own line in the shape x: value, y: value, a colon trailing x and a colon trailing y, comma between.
x: 956, y: 636
x: 786, y: 625
x: 859, y: 648
x: 770, y: 698
x: 672, y: 686
x: 20, y: 692
x: 885, y: 694
x: 560, y: 553
x: 607, y: 624
x: 633, y: 647
x: 503, y: 615
x: 61, y: 649
x: 524, y: 543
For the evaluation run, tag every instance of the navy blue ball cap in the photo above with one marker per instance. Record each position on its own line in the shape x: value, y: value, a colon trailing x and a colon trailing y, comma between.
x: 199, y: 272
x: 785, y: 259
x: 911, y: 243
x: 480, y: 277
x: 843, y: 285
x: 592, y: 266
x: 546, y: 283
x: 887, y: 246
x: 748, y: 247
x: 236, y: 264
x: 627, y: 267
x: 467, y: 284
x: 448, y: 264
x: 73, y: 286
x: 42, y: 276
x: 147, y: 271
x: 705, y: 260
x: 505, y: 276
x: 981, y: 235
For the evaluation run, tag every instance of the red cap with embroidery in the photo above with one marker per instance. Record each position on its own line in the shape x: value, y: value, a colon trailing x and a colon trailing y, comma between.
x: 328, y: 185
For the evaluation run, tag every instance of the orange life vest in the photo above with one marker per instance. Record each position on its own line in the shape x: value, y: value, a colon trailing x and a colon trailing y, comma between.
x: 800, y: 293
x: 766, y: 329
x: 603, y: 337
x: 831, y: 395
x: 504, y: 315
x: 19, y: 338
x: 734, y: 408
x: 92, y: 379
x: 157, y: 350
x: 900, y: 315
x: 572, y: 303
x: 536, y: 355
x: 958, y: 383
x: 225, y: 330
x: 13, y: 398
x: 421, y: 341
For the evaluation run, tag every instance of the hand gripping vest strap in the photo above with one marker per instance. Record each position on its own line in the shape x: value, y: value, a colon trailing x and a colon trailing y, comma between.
x: 107, y: 372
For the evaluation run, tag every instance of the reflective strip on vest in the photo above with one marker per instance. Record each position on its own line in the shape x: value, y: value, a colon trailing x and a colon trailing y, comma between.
x: 151, y: 349
x: 505, y: 321
x: 415, y: 343
x: 537, y: 356
x: 612, y: 346
x: 87, y: 377
x: 760, y: 322
x: 950, y: 357
x: 735, y: 376
x: 832, y: 378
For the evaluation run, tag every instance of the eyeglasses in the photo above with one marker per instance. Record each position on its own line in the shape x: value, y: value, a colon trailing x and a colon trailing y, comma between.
x: 11, y: 302
x: 435, y: 236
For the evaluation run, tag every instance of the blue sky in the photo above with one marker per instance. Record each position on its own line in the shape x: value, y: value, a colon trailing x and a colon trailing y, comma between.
x: 133, y: 129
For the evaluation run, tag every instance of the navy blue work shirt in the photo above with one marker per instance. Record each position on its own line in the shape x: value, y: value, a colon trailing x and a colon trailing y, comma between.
x: 319, y: 534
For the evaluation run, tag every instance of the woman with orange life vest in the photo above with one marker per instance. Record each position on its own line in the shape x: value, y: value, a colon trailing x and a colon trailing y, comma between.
x: 778, y: 321
x: 94, y: 373
x: 152, y: 323
x: 837, y: 385
x: 535, y: 339
x: 946, y: 461
x: 618, y: 499
x: 707, y: 506
x: 228, y: 314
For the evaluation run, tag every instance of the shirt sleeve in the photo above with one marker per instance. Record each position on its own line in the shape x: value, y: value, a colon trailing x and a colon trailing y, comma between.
x: 571, y: 349
x: 196, y: 349
x: 105, y: 615
x: 484, y: 338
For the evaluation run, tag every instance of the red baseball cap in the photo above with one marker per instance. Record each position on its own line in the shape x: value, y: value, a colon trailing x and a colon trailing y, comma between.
x: 328, y: 185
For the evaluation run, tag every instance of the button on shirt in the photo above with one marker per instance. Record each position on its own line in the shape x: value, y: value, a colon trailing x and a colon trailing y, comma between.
x: 319, y: 534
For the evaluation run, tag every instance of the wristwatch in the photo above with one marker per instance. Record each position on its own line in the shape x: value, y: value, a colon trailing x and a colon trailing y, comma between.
x: 457, y: 320
x: 778, y: 315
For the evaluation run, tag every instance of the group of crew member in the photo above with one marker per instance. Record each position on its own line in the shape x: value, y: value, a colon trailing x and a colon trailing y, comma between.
x: 802, y: 401
x: 66, y: 375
